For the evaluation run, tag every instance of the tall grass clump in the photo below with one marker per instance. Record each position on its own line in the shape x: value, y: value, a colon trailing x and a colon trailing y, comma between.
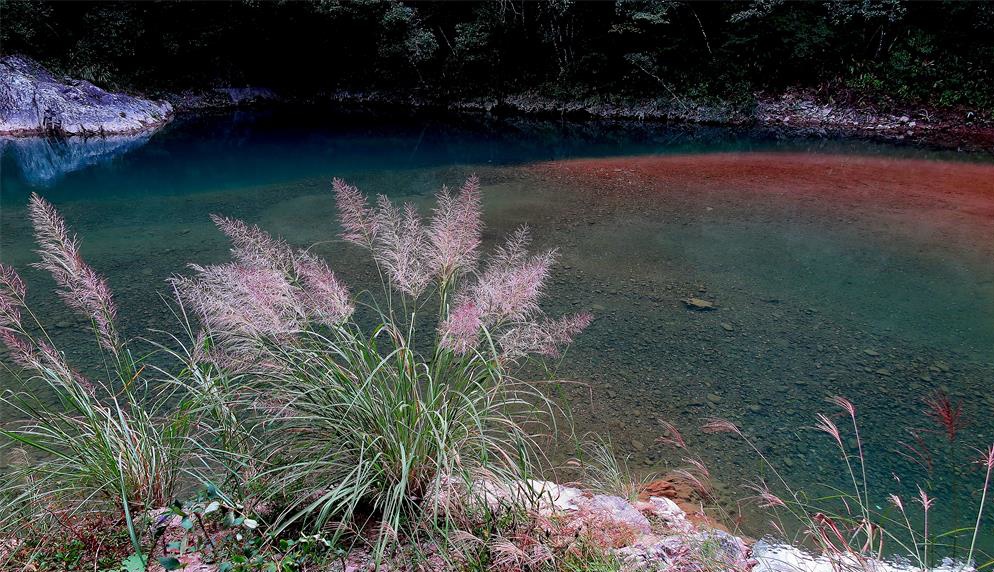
x: 604, y: 472
x: 374, y: 412
x: 111, y: 439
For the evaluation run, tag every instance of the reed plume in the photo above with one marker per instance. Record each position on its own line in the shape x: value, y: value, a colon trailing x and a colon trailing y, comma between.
x: 455, y: 230
x: 948, y: 415
x: 359, y: 224
x: 501, y: 298
x: 81, y: 287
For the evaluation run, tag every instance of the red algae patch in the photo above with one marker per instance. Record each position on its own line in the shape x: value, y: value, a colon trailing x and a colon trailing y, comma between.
x: 946, y: 201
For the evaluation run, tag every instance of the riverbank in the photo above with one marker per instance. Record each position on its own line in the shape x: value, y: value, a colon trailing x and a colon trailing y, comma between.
x: 545, y: 526
x: 33, y: 102
x: 795, y: 113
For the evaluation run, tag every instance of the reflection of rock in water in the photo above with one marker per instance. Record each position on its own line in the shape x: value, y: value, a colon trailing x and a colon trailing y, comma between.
x: 44, y: 160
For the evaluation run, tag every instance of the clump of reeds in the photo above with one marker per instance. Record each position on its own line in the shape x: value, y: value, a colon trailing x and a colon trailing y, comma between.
x: 107, y: 439
x: 371, y: 425
x: 282, y: 394
x: 604, y: 472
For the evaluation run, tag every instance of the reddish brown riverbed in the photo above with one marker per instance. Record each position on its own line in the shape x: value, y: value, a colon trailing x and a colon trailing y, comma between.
x: 928, y: 200
x: 870, y: 277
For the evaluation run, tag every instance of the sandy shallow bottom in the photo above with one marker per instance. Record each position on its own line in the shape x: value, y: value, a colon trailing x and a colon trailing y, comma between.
x: 870, y: 278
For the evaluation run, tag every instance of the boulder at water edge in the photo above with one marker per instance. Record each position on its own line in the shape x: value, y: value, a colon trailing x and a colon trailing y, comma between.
x: 34, y: 102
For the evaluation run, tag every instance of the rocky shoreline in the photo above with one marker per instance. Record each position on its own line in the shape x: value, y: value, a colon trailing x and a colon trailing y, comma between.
x: 33, y: 102
x: 795, y: 113
x: 648, y: 534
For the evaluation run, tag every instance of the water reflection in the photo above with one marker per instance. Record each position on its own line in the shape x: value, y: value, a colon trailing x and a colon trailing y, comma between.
x: 42, y: 161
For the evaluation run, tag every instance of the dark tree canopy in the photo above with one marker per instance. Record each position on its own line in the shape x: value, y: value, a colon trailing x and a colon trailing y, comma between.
x: 938, y: 53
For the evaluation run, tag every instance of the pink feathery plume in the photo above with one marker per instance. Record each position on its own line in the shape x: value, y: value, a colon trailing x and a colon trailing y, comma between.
x: 323, y: 296
x: 987, y: 458
x: 765, y: 496
x: 455, y: 229
x: 673, y: 437
x: 22, y: 352
x: 718, y: 425
x: 544, y: 338
x: 828, y: 426
x: 565, y: 329
x: 401, y: 247
x: 254, y: 246
x: 514, y: 251
x: 83, y: 289
x: 12, y: 293
x: 239, y: 301
x: 844, y: 404
x: 946, y: 413
x: 896, y: 501
x: 697, y: 476
x: 924, y: 499
x: 514, y: 294
x: 12, y: 299
x: 359, y: 224
x: 512, y: 284
x: 460, y: 332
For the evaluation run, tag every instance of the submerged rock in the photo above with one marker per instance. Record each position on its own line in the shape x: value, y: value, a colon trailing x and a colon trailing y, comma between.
x: 34, y: 102
x: 699, y: 304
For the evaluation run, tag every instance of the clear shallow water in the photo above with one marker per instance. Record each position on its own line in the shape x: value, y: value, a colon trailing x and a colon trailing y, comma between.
x: 804, y: 289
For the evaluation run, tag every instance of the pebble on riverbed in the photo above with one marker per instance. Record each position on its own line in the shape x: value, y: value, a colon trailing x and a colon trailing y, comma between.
x: 699, y: 304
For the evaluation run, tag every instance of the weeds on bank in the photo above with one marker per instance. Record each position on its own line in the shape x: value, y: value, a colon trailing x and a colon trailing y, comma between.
x: 848, y: 526
x: 528, y: 540
x: 365, y: 426
x: 604, y: 472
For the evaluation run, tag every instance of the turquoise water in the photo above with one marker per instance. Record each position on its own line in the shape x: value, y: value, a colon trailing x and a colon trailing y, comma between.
x: 812, y: 302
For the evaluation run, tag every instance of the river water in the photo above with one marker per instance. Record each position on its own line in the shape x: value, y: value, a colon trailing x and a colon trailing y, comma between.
x: 835, y: 267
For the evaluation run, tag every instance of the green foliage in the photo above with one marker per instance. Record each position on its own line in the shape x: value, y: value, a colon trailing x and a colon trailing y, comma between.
x: 590, y: 559
x: 403, y: 37
x: 375, y: 426
x: 134, y: 563
x: 938, y: 53
x: 917, y: 70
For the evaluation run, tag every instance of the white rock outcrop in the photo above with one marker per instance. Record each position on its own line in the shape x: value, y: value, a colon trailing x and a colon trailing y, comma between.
x: 34, y: 102
x: 777, y: 557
